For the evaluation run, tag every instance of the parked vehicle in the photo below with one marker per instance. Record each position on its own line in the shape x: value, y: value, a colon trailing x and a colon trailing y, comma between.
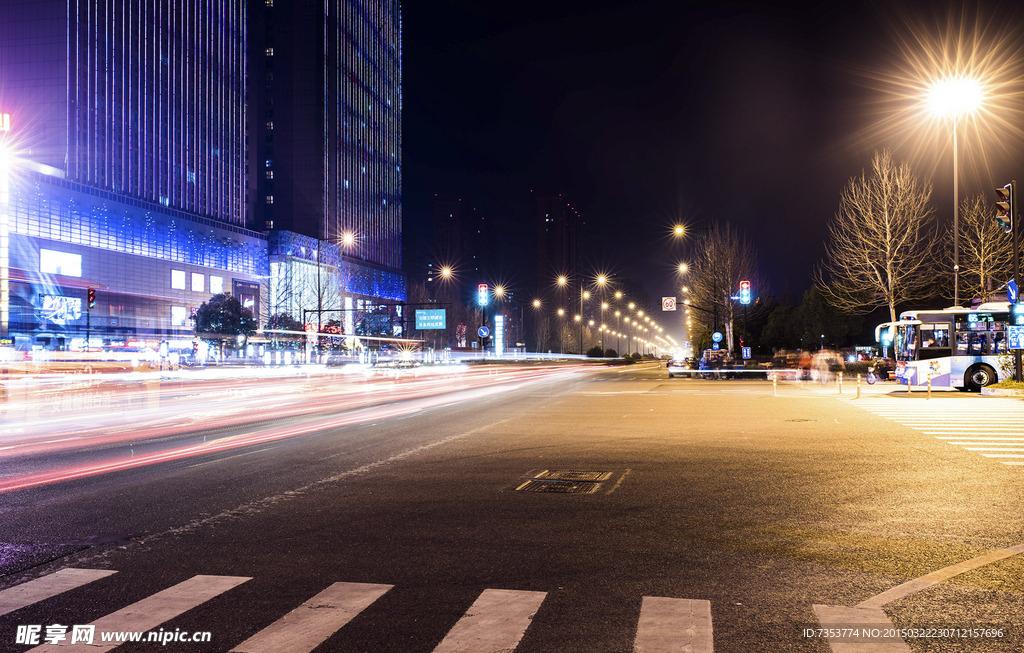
x: 682, y: 367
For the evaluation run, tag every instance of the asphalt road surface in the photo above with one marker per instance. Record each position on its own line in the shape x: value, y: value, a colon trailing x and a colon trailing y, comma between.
x: 605, y: 510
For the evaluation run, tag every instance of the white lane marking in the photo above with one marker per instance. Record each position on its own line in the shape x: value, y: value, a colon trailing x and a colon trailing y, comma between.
x: 1003, y: 455
x: 151, y: 611
x: 619, y: 482
x: 670, y: 625
x: 308, y: 625
x: 839, y: 618
x: 973, y: 437
x: 977, y: 432
x: 926, y: 581
x: 33, y: 591
x: 496, y: 621
x: 993, y: 449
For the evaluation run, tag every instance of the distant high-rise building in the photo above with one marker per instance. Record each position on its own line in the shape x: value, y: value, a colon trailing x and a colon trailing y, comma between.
x: 558, y: 229
x: 463, y: 239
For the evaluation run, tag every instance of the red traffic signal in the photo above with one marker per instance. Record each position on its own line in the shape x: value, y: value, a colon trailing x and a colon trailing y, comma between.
x: 91, y: 297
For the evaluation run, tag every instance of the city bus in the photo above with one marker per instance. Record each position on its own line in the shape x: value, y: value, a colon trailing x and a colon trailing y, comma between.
x: 953, y: 347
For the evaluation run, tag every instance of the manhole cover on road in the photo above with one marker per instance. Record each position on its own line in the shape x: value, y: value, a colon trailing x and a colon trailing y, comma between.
x: 573, y: 475
x: 559, y: 487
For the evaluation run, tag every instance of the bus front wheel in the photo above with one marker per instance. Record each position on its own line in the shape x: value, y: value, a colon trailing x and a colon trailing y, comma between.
x: 979, y: 376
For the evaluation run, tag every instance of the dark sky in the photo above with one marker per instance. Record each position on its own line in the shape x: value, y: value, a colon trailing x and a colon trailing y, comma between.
x: 649, y: 113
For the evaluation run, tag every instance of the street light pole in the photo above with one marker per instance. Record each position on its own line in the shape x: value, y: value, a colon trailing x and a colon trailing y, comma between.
x: 956, y: 223
x: 955, y: 97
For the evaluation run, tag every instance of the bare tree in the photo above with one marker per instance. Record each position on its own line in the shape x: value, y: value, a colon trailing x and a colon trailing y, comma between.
x: 722, y: 258
x: 305, y: 290
x: 880, y: 250
x: 986, y: 251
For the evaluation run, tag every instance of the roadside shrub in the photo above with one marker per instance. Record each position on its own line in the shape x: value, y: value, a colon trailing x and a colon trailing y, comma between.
x: 611, y: 353
x: 595, y: 352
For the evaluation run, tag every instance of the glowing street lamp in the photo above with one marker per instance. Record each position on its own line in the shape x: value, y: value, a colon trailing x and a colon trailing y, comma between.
x: 954, y: 98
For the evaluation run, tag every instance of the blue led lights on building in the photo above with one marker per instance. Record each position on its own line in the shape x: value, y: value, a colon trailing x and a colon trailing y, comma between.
x: 148, y: 160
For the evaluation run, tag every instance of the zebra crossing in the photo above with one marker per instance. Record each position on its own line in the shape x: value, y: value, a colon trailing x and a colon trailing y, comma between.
x: 992, y: 428
x: 496, y: 621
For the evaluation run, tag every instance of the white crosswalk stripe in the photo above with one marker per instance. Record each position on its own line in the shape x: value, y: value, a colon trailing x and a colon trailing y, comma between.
x: 858, y: 630
x: 305, y: 627
x: 993, y: 428
x: 669, y: 625
x: 33, y: 591
x: 150, y: 612
x: 496, y: 621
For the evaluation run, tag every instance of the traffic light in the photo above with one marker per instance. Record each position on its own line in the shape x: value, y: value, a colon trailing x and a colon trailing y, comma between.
x: 744, y: 292
x: 1004, y: 207
x: 481, y: 294
x: 91, y: 297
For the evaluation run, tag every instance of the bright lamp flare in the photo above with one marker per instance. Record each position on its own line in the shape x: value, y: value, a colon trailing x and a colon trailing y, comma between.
x: 955, y: 96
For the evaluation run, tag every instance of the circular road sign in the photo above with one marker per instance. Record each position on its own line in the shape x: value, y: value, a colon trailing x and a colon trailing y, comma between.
x: 483, y: 332
x: 717, y: 336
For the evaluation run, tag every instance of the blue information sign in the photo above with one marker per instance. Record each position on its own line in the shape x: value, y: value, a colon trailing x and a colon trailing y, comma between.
x: 746, y: 352
x: 430, y: 319
x: 483, y: 332
x: 715, y: 346
x: 1011, y: 291
x: 1015, y: 336
x: 717, y: 336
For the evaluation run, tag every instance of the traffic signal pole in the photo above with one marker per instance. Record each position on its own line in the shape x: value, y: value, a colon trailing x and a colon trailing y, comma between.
x: 1006, y: 216
x: 1014, y: 235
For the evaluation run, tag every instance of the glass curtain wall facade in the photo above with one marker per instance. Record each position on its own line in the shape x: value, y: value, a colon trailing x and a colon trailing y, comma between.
x: 129, y: 121
x: 150, y: 267
x: 151, y: 99
x: 326, y: 115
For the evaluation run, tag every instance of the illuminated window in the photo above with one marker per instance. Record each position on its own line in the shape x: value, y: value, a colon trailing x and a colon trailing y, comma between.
x: 198, y: 282
x: 54, y: 262
x: 270, y: 52
x: 270, y: 125
x: 178, y: 279
x: 179, y: 316
x: 216, y: 285
x: 270, y: 174
x: 269, y: 3
x: 270, y: 199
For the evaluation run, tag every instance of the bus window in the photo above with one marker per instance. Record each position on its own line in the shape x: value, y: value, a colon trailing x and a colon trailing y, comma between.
x: 935, y: 335
x: 973, y: 343
x: 999, y: 342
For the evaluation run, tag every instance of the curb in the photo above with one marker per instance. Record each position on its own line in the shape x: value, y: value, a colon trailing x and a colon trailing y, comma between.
x: 1002, y: 392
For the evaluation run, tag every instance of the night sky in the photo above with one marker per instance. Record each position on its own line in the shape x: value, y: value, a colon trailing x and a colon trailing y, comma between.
x: 650, y: 113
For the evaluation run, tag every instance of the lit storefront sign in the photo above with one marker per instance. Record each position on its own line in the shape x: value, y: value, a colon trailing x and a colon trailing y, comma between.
x: 60, y: 309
